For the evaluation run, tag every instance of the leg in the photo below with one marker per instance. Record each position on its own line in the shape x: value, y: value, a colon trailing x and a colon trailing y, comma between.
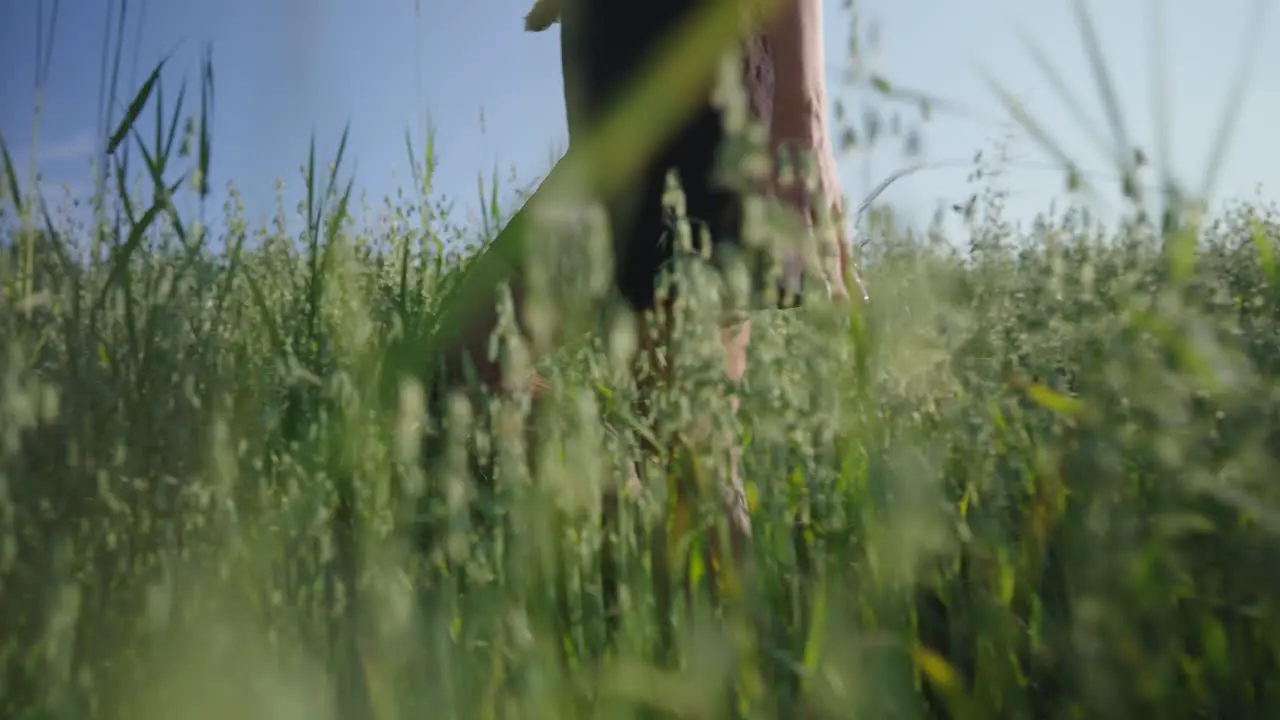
x: 721, y: 210
x: 735, y: 342
x: 602, y: 44
x: 656, y: 371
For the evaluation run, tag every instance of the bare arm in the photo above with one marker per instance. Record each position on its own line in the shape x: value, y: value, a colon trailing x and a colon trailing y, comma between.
x: 799, y: 123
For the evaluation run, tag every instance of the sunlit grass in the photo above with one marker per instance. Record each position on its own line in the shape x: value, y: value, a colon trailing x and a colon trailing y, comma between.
x: 1028, y: 481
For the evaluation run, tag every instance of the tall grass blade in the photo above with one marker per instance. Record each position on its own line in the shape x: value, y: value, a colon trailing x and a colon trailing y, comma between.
x: 1065, y: 94
x: 1121, y: 147
x: 10, y: 177
x: 125, y: 126
x: 1235, y: 97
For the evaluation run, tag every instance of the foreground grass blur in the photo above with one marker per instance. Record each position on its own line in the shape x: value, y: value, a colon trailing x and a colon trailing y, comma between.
x: 1039, y: 478
x: 1029, y: 481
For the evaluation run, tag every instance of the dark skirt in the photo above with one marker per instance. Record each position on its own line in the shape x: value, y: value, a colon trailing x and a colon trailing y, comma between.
x: 603, y: 43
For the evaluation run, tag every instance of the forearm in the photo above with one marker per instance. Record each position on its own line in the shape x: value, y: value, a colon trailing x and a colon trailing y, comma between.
x: 799, y: 125
x: 799, y: 129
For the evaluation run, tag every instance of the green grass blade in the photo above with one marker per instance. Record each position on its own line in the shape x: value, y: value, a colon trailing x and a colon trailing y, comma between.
x: 122, y: 255
x: 1121, y: 147
x: 1065, y: 94
x: 265, y: 316
x: 205, y: 153
x: 1235, y: 97
x: 134, y: 110
x: 1075, y: 180
x: 11, y: 177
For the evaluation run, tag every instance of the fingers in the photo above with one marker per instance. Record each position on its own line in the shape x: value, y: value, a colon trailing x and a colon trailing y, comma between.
x: 538, y: 385
x: 543, y: 15
x: 839, y: 290
x: 735, y: 342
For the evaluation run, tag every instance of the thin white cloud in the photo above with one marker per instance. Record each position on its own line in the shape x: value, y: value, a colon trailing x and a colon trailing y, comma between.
x: 55, y: 158
x: 77, y: 147
x: 61, y: 166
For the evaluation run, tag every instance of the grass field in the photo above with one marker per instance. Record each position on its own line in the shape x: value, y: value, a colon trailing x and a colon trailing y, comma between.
x: 1028, y: 481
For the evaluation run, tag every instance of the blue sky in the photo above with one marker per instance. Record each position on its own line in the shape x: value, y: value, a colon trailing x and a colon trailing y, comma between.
x: 286, y: 67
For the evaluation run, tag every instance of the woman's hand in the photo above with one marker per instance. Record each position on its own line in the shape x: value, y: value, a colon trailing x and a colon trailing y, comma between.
x: 542, y: 15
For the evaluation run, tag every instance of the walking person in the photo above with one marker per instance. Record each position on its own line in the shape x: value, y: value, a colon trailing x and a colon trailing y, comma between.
x: 604, y: 44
